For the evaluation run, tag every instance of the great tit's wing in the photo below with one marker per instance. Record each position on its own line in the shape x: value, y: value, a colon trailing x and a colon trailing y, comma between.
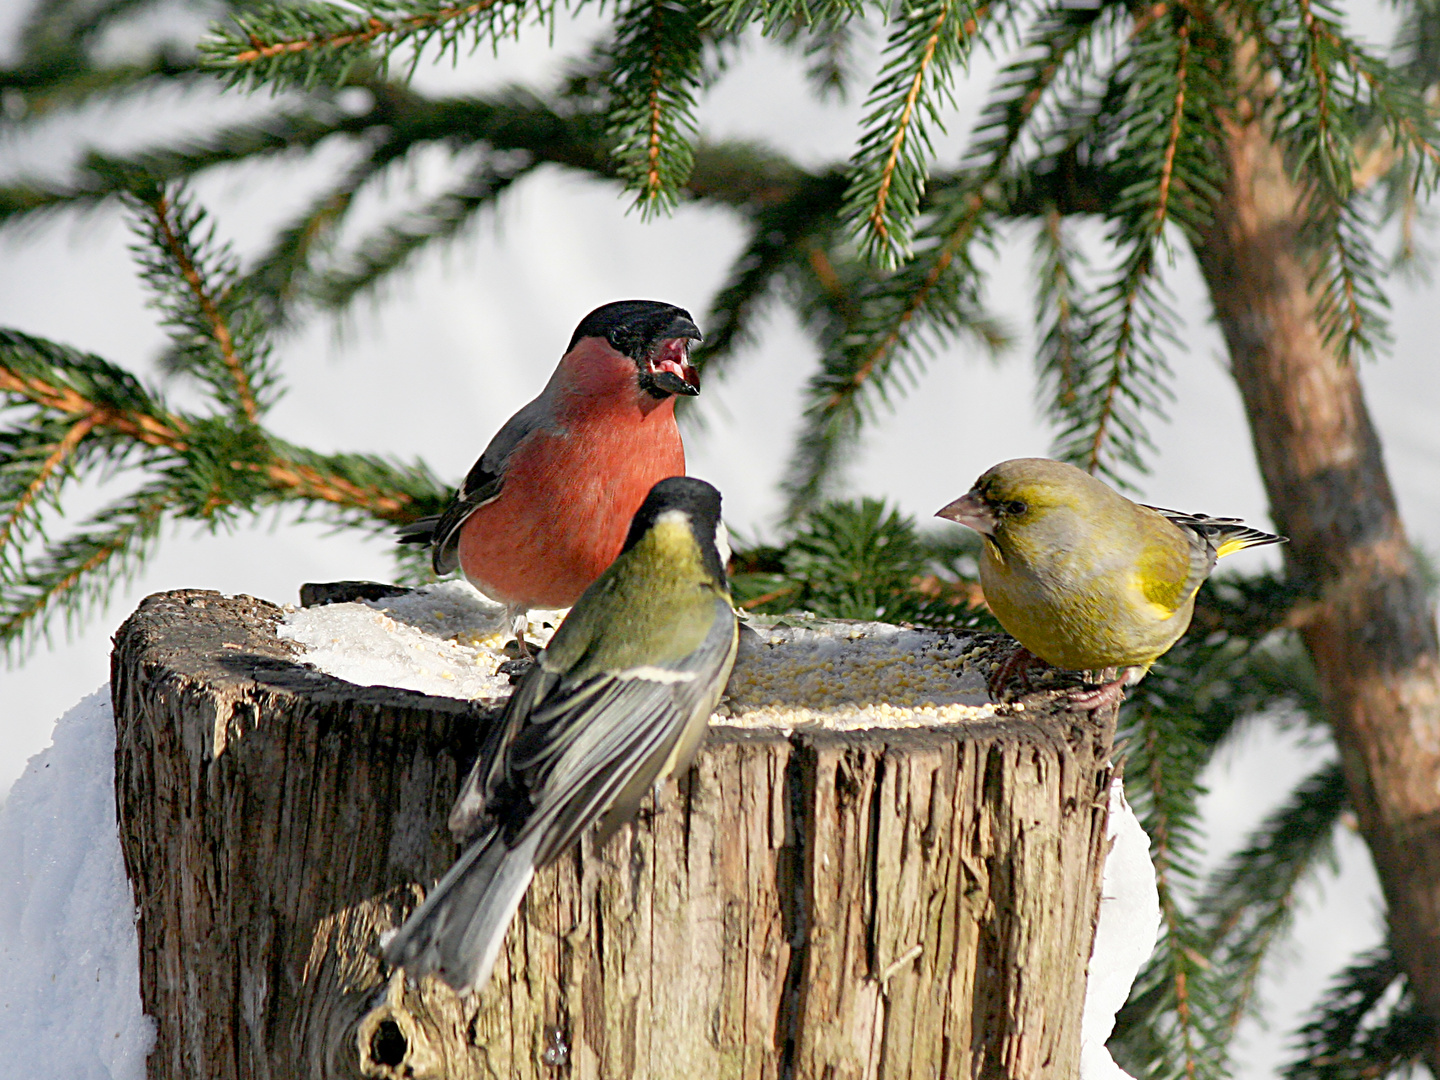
x: 485, y: 480
x: 468, y: 816
x: 574, y: 747
x: 596, y: 747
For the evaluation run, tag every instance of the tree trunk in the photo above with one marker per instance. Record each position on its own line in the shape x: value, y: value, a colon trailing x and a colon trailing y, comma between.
x: 811, y: 903
x: 1371, y: 626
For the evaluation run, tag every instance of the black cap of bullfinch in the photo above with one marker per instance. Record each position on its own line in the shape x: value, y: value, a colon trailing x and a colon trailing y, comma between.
x: 655, y: 335
x: 618, y: 701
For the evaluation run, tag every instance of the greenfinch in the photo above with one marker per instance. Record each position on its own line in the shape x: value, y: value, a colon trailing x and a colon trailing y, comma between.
x: 1084, y: 578
x: 619, y: 701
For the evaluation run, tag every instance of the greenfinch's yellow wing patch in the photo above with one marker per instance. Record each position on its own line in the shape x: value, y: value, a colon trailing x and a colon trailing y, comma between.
x: 1163, y: 575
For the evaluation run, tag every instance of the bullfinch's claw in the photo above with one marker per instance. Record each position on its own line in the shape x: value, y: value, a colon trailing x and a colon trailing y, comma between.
x: 516, y: 669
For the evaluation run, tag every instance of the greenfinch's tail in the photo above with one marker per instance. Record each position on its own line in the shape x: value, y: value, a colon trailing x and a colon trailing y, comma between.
x: 1225, y: 535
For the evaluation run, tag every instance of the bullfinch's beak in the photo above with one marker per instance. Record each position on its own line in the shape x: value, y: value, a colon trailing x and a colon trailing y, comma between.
x: 669, y: 363
x: 970, y: 510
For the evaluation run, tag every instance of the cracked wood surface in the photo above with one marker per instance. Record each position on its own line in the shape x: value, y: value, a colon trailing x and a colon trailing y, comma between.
x: 882, y: 902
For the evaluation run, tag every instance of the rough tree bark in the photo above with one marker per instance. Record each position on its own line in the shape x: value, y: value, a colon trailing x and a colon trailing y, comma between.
x: 915, y: 902
x: 1371, y: 626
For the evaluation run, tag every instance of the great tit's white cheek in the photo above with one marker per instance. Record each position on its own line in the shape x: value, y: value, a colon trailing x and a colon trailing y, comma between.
x: 722, y: 542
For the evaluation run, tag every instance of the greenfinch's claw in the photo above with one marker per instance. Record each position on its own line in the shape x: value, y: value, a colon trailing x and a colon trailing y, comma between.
x: 1092, y: 699
x: 1016, y: 665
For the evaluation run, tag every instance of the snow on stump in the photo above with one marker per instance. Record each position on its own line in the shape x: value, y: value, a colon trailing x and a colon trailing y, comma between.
x: 869, y: 871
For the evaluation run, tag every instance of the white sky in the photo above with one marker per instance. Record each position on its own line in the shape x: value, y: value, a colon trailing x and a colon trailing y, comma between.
x: 473, y: 332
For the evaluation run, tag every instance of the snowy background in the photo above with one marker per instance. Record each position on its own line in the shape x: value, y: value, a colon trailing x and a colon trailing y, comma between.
x: 473, y: 332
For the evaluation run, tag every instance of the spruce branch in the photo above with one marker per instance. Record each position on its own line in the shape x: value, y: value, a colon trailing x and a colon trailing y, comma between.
x: 1062, y: 317
x: 1057, y: 41
x: 788, y: 236
x: 862, y: 559
x: 194, y: 280
x: 79, y: 573
x: 314, y: 43
x: 60, y: 406
x: 880, y: 351
x: 1231, y: 668
x: 1350, y: 299
x: 1170, y: 139
x: 67, y: 405
x: 935, y: 295
x: 1363, y: 1027
x: 927, y: 48
x: 779, y: 18
x: 1166, y: 1028
x: 393, y: 246
x: 1250, y: 901
x: 827, y: 46
x: 101, y: 176
x: 656, y: 69
x: 82, y: 386
x: 34, y: 483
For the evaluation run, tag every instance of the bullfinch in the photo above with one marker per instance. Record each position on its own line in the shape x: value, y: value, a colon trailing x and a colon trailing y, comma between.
x: 547, y: 506
x: 1084, y: 578
x: 617, y: 702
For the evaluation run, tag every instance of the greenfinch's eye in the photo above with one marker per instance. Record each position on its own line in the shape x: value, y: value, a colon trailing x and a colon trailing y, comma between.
x: 1016, y: 507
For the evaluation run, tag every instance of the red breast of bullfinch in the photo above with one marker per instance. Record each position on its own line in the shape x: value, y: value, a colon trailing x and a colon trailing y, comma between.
x: 546, y: 508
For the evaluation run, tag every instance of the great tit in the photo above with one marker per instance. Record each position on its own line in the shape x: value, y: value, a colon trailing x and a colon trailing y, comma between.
x: 618, y: 701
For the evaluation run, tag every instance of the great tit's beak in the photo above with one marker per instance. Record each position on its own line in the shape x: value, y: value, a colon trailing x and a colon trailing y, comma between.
x: 970, y: 510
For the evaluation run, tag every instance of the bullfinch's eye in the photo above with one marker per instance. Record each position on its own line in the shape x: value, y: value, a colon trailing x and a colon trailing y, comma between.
x: 1016, y: 507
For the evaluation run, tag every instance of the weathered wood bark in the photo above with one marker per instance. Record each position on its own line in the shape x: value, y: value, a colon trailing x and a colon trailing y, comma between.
x: 915, y: 902
x: 1371, y: 629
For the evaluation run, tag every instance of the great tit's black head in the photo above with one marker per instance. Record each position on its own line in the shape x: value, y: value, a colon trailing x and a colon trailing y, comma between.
x: 699, y: 502
x: 655, y: 335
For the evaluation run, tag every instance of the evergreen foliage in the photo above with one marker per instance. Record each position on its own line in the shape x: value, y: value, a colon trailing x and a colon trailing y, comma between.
x: 1108, y: 110
x: 1367, y: 1025
x: 67, y: 415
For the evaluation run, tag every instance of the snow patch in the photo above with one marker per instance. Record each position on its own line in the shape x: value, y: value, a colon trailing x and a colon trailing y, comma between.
x: 1124, y: 936
x: 444, y: 639
x: 70, y: 996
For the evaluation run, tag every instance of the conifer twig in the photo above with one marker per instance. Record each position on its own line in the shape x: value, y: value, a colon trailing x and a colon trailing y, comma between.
x: 219, y: 328
x: 64, y: 448
x: 362, y: 34
x: 168, y: 432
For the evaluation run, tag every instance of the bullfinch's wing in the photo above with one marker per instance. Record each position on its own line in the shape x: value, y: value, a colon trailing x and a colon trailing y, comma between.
x: 484, y: 481
x: 573, y: 749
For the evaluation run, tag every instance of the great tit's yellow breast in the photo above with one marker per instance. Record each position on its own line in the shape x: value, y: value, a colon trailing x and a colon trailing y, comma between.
x: 657, y: 601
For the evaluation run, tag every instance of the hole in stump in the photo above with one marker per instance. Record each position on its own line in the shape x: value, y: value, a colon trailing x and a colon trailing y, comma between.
x: 388, y: 1045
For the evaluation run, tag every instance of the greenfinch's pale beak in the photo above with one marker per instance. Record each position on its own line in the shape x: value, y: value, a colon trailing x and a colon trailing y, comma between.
x: 970, y: 510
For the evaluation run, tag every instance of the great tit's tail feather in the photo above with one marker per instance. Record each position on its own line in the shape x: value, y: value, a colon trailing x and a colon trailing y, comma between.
x: 457, y: 933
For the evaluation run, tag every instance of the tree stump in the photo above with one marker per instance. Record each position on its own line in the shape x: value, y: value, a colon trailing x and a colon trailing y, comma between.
x: 914, y: 902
